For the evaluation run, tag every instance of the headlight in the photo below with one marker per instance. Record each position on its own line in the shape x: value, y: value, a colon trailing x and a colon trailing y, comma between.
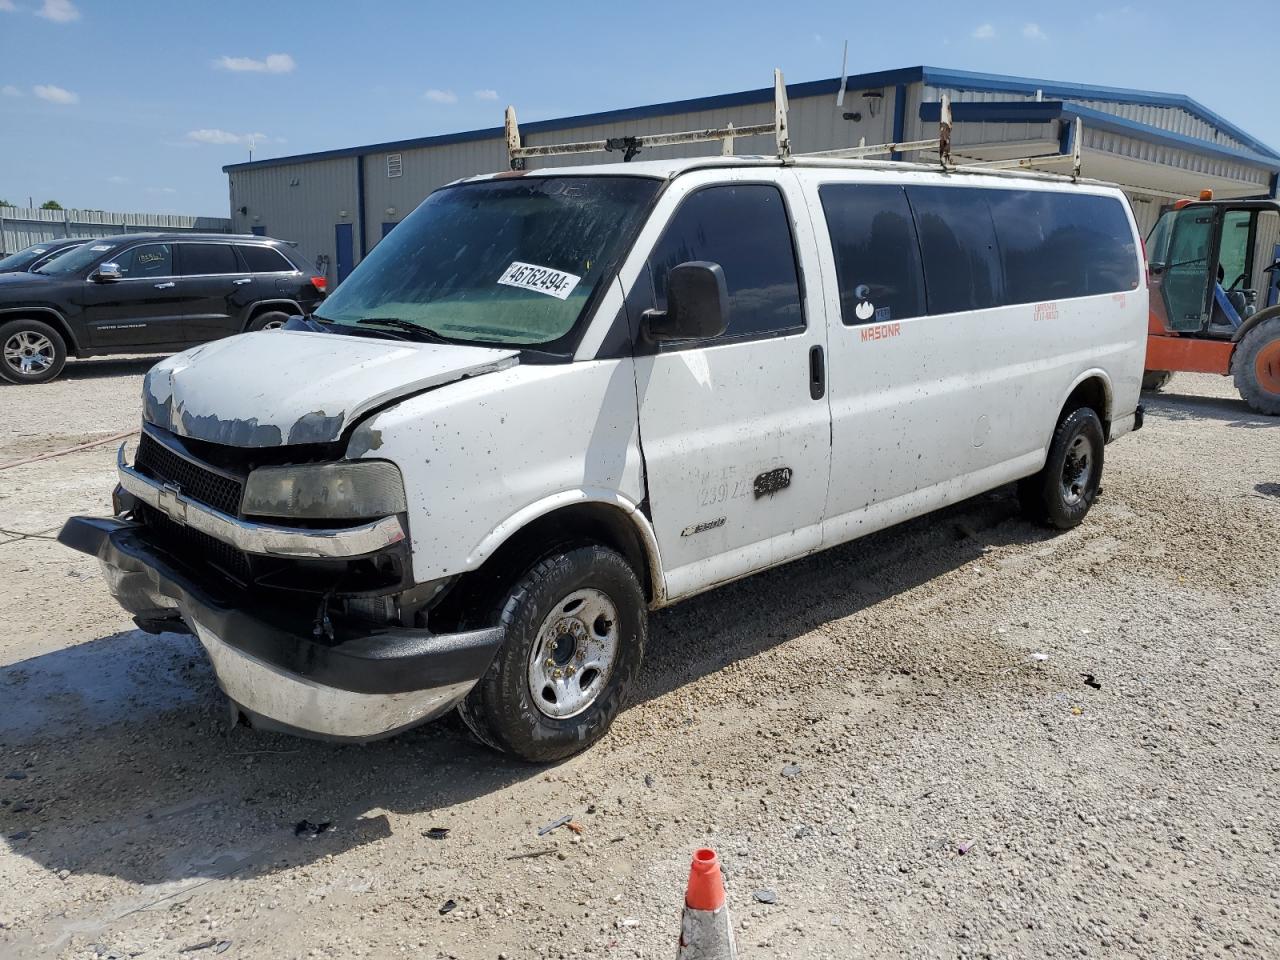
x: 325, y: 491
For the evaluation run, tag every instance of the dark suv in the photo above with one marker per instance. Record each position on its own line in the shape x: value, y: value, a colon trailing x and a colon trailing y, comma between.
x: 147, y: 293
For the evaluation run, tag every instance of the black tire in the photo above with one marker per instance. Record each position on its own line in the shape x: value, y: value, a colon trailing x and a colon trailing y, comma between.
x: 1061, y: 494
x: 1156, y: 380
x: 502, y: 709
x: 1255, y: 365
x: 31, y: 346
x: 268, y: 320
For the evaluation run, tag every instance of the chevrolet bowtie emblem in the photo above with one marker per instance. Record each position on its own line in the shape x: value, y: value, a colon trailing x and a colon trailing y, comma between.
x: 171, y: 502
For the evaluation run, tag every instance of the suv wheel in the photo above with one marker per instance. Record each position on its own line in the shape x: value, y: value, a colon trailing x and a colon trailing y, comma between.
x: 30, y: 352
x: 1061, y: 494
x: 575, y: 627
x: 270, y: 320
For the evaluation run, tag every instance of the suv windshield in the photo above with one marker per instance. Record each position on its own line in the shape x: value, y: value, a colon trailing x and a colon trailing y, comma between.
x: 24, y: 258
x: 76, y: 259
x: 507, y: 261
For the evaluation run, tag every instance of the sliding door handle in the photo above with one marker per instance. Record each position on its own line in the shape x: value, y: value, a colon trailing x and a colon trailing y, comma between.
x: 817, y: 373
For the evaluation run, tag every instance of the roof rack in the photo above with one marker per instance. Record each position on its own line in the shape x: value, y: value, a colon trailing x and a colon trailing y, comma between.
x: 630, y: 146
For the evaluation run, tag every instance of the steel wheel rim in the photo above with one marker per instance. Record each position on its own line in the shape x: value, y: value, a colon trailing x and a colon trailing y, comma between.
x: 273, y: 325
x: 573, y: 654
x: 1077, y: 470
x: 1266, y: 367
x: 28, y: 352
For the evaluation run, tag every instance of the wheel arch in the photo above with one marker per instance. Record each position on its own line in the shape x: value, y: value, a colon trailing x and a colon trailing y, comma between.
x: 1261, y: 317
x: 1092, y: 389
x: 263, y: 306
x: 576, y: 516
x: 45, y: 315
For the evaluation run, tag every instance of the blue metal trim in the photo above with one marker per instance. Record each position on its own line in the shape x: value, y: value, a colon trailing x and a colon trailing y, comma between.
x: 795, y: 91
x: 1032, y: 111
x: 1008, y: 111
x: 1226, y: 306
x: 1100, y: 120
x: 364, y: 240
x: 965, y: 80
x: 899, y: 117
x: 1275, y: 188
x: 1066, y: 136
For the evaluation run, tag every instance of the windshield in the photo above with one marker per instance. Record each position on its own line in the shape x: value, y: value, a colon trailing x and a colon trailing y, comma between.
x: 507, y: 261
x: 76, y: 259
x: 24, y: 258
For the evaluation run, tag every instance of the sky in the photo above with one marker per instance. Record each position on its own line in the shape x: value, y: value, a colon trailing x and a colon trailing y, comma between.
x: 136, y: 106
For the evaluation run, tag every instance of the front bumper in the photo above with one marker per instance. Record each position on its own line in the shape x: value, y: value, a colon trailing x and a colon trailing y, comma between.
x: 359, y: 686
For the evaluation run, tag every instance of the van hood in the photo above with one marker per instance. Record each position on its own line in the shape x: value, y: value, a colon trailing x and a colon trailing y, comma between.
x: 280, y: 387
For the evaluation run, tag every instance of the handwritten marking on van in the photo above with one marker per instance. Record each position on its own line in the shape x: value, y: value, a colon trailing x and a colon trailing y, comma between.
x: 1046, y: 311
x: 881, y: 331
x: 529, y: 276
x: 703, y: 527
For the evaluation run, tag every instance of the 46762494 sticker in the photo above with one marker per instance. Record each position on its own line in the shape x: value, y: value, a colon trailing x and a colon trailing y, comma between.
x: 530, y: 276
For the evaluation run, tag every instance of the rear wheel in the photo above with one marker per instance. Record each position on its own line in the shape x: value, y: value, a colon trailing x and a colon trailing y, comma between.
x: 1256, y: 367
x: 269, y: 320
x: 575, y: 626
x: 1156, y: 380
x: 30, y: 352
x: 1061, y: 494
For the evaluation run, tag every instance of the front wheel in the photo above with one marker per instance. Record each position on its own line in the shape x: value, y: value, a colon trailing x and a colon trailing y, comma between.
x: 1256, y: 367
x: 1061, y: 494
x: 30, y: 352
x: 1156, y: 380
x: 575, y: 626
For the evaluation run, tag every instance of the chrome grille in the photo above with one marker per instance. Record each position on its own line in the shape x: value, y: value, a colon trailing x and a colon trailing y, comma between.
x: 196, y: 482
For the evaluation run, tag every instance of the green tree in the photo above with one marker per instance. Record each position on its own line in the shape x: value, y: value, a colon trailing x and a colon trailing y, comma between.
x: 5, y: 203
x: 51, y: 205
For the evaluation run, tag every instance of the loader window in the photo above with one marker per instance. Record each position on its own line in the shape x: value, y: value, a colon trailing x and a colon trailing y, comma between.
x: 1188, y: 274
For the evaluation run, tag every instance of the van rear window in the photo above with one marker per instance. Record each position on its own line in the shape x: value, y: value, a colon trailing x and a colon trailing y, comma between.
x: 877, y: 255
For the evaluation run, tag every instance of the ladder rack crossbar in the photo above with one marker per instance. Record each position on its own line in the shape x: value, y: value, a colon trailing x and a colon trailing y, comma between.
x: 874, y: 150
x: 645, y: 140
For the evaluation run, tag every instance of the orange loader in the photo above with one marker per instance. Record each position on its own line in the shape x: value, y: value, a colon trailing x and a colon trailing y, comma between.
x: 1215, y: 296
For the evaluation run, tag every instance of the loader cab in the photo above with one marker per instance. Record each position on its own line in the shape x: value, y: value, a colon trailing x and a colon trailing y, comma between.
x: 1213, y: 266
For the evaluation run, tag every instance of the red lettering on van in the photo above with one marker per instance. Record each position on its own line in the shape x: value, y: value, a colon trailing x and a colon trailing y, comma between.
x: 1046, y: 311
x: 881, y: 331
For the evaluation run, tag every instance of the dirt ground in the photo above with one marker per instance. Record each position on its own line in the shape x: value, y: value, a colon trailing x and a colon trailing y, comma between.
x: 963, y: 737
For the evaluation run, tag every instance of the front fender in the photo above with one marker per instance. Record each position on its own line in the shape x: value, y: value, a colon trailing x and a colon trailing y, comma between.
x: 1260, y: 317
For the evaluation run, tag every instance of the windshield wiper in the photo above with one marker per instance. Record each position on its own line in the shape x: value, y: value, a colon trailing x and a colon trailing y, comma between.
x: 415, y: 331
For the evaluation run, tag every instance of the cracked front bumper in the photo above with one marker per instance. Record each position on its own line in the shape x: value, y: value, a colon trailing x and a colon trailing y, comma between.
x: 357, y: 687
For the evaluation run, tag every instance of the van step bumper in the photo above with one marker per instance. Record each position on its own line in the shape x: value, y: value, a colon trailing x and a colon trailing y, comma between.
x: 354, y: 688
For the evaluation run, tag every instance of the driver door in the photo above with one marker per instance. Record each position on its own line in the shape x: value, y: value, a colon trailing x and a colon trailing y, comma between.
x: 1183, y: 272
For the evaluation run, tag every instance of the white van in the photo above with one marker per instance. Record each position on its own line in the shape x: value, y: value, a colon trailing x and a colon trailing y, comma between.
x: 554, y: 400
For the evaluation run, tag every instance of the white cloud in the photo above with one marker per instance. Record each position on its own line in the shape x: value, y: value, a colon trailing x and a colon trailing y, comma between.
x: 6, y: 6
x: 55, y: 94
x: 274, y: 63
x: 59, y: 11
x: 117, y: 179
x: 9, y: 90
x: 224, y: 137
x: 441, y: 96
x: 486, y: 94
x: 1032, y: 31
x: 984, y: 32
x: 165, y: 190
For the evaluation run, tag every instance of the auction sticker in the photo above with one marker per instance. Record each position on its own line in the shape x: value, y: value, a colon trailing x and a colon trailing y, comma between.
x: 529, y: 276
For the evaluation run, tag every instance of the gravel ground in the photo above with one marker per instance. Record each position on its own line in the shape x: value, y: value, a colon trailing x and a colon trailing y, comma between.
x: 963, y: 737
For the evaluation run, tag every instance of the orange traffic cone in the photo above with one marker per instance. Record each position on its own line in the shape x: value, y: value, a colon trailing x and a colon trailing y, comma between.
x: 705, y: 932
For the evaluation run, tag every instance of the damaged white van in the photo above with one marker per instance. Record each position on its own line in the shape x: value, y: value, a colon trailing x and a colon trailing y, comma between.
x: 552, y: 401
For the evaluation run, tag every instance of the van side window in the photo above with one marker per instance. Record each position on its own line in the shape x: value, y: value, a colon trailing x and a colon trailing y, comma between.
x: 877, y: 255
x: 745, y: 229
x: 1060, y: 245
x: 961, y: 257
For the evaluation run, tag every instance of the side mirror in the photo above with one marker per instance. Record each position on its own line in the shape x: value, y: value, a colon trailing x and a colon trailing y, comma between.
x: 697, y: 304
x: 1274, y: 266
x: 107, y: 272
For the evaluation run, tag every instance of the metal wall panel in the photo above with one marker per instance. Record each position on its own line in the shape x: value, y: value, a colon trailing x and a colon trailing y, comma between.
x: 22, y: 226
x: 301, y: 203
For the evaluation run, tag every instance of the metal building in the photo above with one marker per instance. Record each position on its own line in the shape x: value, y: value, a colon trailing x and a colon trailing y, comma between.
x: 337, y: 204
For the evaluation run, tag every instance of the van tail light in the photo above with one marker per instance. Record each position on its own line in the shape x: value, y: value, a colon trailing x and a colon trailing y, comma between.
x: 320, y: 283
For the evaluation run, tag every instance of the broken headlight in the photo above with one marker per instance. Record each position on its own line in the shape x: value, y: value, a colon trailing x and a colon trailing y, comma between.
x: 352, y: 490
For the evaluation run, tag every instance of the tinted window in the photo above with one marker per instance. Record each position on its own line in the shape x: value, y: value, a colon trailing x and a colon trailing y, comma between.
x: 1059, y: 245
x: 958, y: 241
x: 148, y: 260
x: 264, y: 259
x: 199, y: 259
x: 745, y: 230
x: 877, y: 255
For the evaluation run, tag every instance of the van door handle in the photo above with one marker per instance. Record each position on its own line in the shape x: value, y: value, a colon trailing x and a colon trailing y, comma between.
x: 165, y: 286
x: 817, y: 373
x: 244, y: 281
